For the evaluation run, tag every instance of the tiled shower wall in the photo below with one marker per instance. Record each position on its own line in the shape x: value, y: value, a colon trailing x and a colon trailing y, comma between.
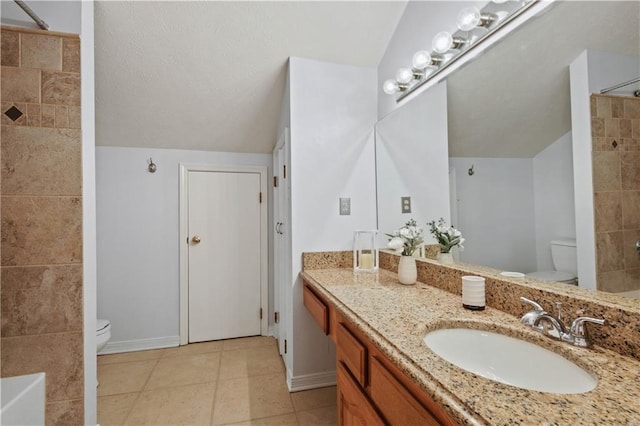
x: 615, y: 128
x: 41, y: 188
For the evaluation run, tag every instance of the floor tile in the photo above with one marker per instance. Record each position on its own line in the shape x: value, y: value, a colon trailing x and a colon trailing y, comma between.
x: 183, y: 405
x: 114, y: 409
x: 124, y: 377
x: 250, y: 362
x: 248, y: 342
x: 326, y: 416
x: 194, y: 349
x: 314, y: 398
x: 130, y: 356
x: 285, y: 420
x: 185, y: 370
x: 249, y: 398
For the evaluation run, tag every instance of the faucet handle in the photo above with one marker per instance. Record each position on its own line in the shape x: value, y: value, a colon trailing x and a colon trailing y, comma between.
x: 535, y: 305
x: 579, y: 331
x: 530, y: 317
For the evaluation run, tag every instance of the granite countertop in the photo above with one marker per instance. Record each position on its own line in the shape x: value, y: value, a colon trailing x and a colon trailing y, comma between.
x: 396, y: 318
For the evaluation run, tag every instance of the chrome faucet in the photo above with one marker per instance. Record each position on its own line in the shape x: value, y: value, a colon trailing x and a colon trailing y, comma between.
x: 530, y: 317
x: 576, y: 335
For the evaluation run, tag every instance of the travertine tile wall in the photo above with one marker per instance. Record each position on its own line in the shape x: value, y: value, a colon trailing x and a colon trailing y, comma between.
x: 615, y: 127
x: 41, y: 188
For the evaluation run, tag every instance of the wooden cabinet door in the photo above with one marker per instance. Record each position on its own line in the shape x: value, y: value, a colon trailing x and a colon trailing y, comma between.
x: 354, y: 408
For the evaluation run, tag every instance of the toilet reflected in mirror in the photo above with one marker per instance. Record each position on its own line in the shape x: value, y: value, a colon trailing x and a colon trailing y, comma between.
x: 565, y: 262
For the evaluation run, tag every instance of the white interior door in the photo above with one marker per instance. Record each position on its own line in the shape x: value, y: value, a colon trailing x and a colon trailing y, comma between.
x: 224, y: 255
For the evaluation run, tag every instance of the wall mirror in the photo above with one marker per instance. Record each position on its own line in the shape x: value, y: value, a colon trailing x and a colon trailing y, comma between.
x: 507, y: 132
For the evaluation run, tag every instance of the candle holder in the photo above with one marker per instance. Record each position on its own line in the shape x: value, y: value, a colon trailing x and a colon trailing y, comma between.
x: 365, y: 251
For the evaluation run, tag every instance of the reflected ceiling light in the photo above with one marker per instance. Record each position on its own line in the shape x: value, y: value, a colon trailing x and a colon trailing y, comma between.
x: 390, y: 87
x: 444, y: 42
x: 471, y: 17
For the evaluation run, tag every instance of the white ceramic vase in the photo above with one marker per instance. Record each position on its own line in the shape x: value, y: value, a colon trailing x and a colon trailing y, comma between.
x: 445, y: 258
x: 407, y: 270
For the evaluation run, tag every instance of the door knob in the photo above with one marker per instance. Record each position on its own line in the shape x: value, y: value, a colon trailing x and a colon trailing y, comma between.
x: 195, y: 239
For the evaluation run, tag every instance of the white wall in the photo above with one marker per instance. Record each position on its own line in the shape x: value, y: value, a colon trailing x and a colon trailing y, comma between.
x: 89, y: 256
x: 61, y: 16
x: 496, y: 212
x: 589, y: 73
x: 412, y: 160
x: 333, y: 111
x: 138, y: 240
x: 554, y: 198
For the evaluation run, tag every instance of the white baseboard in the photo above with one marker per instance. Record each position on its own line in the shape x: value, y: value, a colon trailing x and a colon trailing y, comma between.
x: 311, y: 381
x: 140, y: 345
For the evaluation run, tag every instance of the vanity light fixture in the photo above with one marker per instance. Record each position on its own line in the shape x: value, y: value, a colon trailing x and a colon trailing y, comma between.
x: 475, y: 26
x: 444, y: 42
x: 423, y: 59
x: 471, y: 17
x: 404, y: 76
x: 391, y: 86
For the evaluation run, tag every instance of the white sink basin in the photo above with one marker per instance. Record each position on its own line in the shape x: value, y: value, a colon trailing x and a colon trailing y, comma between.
x: 510, y: 361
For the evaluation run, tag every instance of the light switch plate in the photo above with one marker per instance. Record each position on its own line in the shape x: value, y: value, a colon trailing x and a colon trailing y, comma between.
x: 345, y: 206
x: 406, y: 204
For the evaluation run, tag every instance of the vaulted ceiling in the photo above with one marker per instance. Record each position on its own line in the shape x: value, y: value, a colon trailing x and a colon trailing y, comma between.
x: 210, y: 75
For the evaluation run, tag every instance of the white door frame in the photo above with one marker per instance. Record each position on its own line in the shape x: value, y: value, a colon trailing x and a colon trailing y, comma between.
x: 185, y: 168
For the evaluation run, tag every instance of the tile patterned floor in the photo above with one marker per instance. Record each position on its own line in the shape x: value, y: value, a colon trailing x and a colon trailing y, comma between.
x: 229, y: 382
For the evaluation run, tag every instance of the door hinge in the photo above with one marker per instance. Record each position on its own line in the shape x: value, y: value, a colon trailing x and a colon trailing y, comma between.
x: 260, y: 197
x: 284, y: 171
x: 260, y: 313
x: 275, y: 181
x: 285, y: 346
x: 276, y: 317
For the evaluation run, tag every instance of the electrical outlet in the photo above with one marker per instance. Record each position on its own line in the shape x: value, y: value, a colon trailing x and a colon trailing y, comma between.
x: 406, y: 204
x: 345, y: 206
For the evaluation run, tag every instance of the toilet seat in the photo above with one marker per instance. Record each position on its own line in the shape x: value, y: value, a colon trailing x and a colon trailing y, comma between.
x: 102, y: 326
x: 553, y: 276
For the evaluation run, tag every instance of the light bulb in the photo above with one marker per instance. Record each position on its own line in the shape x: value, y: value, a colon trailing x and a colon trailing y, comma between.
x: 421, y: 60
x: 468, y: 18
x: 390, y: 87
x: 442, y: 42
x: 404, y: 75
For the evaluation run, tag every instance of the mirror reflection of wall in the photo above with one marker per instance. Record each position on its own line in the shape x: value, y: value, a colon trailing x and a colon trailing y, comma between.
x: 509, y: 116
x: 411, y: 161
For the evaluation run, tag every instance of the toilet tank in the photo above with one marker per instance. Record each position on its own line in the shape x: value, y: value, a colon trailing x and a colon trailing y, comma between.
x: 564, y: 255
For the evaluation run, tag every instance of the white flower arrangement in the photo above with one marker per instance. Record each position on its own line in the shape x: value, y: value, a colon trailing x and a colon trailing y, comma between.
x: 407, y: 239
x: 448, y: 237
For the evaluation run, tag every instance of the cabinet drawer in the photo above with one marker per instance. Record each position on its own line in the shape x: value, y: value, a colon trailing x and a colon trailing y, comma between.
x: 352, y: 353
x: 394, y: 401
x: 354, y: 408
x: 317, y: 308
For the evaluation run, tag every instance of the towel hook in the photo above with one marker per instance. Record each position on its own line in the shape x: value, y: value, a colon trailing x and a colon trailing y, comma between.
x: 152, y: 166
x: 471, y: 172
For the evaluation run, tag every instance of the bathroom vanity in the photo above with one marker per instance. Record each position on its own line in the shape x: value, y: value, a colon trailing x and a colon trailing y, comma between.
x: 387, y: 375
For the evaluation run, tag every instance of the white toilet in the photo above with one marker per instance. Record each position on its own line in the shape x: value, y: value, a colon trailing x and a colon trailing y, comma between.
x: 565, y: 260
x: 103, y: 333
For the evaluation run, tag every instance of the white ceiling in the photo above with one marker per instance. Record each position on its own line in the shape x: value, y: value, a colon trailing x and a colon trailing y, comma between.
x: 210, y: 75
x: 513, y: 101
